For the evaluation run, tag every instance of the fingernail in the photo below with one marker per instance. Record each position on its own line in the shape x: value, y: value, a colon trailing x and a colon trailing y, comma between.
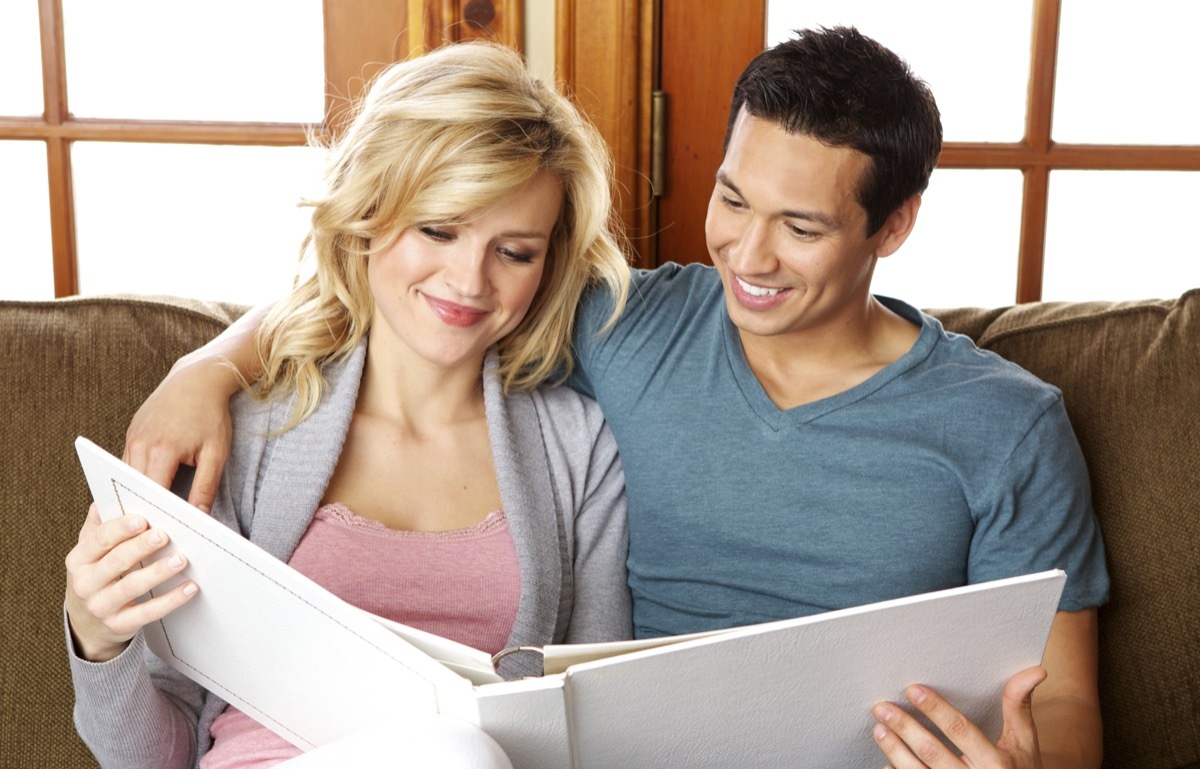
x: 190, y: 588
x: 882, y: 712
x: 156, y: 537
x: 879, y: 732
x: 917, y: 694
x: 133, y: 523
x: 175, y: 561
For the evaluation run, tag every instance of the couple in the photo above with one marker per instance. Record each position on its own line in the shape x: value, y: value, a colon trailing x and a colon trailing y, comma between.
x: 823, y: 442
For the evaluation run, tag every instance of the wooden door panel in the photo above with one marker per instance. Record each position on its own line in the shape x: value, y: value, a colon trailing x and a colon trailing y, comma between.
x: 704, y: 47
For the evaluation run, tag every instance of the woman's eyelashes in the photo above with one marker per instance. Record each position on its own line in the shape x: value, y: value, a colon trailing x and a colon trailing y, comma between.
x: 443, y: 234
x: 439, y: 234
x: 515, y: 255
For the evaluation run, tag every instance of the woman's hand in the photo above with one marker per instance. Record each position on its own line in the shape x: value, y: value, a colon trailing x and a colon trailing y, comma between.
x: 105, y: 576
x: 909, y: 745
x: 185, y: 421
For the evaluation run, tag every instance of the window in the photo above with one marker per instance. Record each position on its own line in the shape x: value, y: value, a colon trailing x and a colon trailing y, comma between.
x: 162, y: 148
x: 1078, y: 187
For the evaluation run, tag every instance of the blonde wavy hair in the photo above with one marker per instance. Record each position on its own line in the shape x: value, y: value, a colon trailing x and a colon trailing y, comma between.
x: 434, y: 138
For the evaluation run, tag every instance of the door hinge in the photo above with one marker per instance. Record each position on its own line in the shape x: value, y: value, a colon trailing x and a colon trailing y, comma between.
x: 658, y: 143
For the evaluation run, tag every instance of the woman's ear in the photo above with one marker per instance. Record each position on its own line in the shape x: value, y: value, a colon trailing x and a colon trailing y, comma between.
x: 896, y: 228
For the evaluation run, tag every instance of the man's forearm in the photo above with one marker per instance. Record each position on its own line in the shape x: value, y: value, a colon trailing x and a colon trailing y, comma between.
x: 1069, y: 733
x: 235, y: 347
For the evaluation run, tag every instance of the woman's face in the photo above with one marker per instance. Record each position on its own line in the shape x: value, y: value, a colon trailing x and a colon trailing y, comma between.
x: 447, y: 291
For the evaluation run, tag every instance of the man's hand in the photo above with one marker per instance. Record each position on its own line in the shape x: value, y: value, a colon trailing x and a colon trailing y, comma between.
x: 909, y: 745
x: 185, y: 421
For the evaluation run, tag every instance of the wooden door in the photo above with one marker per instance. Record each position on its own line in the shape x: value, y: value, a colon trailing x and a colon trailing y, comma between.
x: 703, y: 49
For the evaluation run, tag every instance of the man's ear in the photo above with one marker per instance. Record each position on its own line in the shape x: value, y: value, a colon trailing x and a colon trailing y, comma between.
x: 896, y: 228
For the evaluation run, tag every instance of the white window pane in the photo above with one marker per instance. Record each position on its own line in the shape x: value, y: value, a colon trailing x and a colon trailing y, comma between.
x: 203, y: 221
x: 1113, y: 235
x: 25, y: 222
x: 20, y: 59
x: 963, y: 250
x: 230, y: 60
x: 1128, y: 78
x: 974, y: 56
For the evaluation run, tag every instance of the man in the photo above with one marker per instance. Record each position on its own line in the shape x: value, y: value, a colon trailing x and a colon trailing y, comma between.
x: 794, y: 444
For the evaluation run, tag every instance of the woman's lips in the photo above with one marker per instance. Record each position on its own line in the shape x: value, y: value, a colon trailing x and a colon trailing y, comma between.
x: 454, y: 314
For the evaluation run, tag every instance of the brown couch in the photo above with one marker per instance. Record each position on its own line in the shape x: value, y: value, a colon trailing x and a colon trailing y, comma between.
x: 1130, y: 373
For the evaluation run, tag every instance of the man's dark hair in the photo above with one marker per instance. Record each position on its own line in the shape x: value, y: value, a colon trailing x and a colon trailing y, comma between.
x: 846, y: 90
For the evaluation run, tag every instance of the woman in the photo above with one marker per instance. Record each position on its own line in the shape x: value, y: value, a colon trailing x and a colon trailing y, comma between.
x: 399, y: 419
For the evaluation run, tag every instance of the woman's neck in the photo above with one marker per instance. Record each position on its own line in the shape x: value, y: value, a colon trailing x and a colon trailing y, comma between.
x: 420, y: 395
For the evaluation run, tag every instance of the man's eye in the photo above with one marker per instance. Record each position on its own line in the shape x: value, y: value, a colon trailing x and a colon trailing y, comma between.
x: 434, y: 233
x: 730, y: 202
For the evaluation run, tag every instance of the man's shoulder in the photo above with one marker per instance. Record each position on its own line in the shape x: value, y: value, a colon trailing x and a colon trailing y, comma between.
x: 678, y: 279
x: 658, y: 298
x: 979, y: 385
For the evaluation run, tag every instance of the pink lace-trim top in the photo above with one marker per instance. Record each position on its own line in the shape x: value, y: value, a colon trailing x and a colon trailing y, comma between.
x: 462, y: 584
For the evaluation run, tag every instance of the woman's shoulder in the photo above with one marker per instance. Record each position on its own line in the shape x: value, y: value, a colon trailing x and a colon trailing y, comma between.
x: 561, y: 401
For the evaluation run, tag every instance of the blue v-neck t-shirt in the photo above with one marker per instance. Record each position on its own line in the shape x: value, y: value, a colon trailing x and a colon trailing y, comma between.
x: 948, y: 467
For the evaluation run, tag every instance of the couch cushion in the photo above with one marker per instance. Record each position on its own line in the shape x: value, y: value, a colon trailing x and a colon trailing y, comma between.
x: 67, y: 368
x: 1130, y: 376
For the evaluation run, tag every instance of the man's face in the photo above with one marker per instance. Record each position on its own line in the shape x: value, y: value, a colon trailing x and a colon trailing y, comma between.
x: 787, y: 234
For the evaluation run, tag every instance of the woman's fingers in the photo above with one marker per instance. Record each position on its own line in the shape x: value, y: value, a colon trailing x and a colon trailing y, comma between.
x: 113, y: 564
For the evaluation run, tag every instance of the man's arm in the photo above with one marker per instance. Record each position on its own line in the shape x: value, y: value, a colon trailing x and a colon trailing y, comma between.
x: 1066, y: 707
x: 186, y: 419
x: 1058, y: 727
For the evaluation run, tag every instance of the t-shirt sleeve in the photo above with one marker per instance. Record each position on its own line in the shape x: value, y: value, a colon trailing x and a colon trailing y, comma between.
x: 591, y: 336
x: 593, y: 312
x: 1039, y: 515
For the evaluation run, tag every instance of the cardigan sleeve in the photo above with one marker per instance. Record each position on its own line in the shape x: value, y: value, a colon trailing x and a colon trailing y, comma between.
x: 597, y: 533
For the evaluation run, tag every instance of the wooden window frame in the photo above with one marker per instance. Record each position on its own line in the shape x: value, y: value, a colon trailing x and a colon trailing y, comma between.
x: 621, y: 81
x: 1037, y: 155
x: 361, y: 36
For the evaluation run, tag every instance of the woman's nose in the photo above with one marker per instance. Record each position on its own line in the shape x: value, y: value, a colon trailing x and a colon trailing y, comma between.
x: 466, y: 273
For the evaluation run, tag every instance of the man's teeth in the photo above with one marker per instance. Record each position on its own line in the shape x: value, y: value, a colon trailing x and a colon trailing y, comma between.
x: 757, y: 290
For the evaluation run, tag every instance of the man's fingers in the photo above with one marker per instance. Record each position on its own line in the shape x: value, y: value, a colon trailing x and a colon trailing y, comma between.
x: 207, y: 479
x: 960, y: 730
x: 907, y: 743
x: 1019, y: 733
x: 161, y: 466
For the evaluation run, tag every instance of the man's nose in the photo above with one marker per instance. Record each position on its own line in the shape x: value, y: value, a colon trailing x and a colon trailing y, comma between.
x: 749, y: 252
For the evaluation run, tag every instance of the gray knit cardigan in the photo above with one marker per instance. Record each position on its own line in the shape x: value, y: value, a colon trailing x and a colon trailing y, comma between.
x: 562, y: 489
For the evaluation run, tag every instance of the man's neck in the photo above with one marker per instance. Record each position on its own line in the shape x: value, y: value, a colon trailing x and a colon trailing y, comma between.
x: 816, y: 363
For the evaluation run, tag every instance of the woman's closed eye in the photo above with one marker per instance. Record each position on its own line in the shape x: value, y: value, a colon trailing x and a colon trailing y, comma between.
x: 438, y: 234
x: 516, y: 255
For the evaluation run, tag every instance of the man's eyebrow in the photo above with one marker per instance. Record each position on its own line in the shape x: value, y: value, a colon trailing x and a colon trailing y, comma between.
x: 809, y: 216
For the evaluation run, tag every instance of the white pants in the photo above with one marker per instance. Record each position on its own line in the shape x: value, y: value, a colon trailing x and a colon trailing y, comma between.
x: 432, y: 742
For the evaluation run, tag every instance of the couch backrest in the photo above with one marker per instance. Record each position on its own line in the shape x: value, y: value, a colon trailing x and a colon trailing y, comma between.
x: 67, y: 368
x: 1130, y: 377
x: 1130, y: 374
